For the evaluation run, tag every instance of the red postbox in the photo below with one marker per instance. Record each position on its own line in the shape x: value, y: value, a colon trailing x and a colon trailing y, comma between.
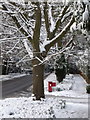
x: 50, y: 86
x: 53, y: 84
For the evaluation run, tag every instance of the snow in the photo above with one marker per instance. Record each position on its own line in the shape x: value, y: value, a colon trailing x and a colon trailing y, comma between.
x: 85, y: 1
x: 42, y: 45
x: 29, y: 51
x: 52, y: 27
x: 42, y: 49
x: 68, y: 88
x: 18, y: 1
x: 64, y: 1
x: 48, y: 108
x: 73, y: 27
x: 46, y: 42
x: 86, y: 15
x: 10, y: 76
x: 80, y: 26
x: 67, y: 103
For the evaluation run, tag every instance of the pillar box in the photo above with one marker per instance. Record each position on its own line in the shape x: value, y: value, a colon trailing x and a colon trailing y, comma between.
x: 50, y: 85
x: 53, y: 84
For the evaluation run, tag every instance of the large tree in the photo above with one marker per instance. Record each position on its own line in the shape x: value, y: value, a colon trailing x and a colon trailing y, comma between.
x: 43, y: 25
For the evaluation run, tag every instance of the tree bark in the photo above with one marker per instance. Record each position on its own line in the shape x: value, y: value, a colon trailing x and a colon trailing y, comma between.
x: 38, y: 79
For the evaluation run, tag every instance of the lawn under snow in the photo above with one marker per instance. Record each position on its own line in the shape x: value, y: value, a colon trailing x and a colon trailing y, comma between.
x: 49, y: 108
x: 56, y: 104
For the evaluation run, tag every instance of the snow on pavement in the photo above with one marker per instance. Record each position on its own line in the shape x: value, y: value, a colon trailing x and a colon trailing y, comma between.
x: 80, y: 84
x: 72, y: 86
x: 10, y: 76
x: 53, y: 106
x: 48, y: 108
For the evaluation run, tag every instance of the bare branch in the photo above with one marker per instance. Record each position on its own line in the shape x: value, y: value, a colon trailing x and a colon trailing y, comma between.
x: 60, y: 35
x: 29, y: 51
x: 64, y: 49
x: 22, y: 30
x: 58, y: 22
x: 16, y: 29
x: 36, y: 34
x: 21, y: 59
x: 46, y: 17
x: 66, y: 16
x: 8, y: 39
x: 13, y: 47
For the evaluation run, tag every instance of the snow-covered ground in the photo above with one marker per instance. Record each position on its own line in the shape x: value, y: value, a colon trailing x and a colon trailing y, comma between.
x: 72, y: 86
x: 69, y: 102
x: 10, y: 76
x: 49, y: 108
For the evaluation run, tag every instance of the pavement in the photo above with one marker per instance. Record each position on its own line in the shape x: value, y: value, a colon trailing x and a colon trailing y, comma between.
x: 73, y: 89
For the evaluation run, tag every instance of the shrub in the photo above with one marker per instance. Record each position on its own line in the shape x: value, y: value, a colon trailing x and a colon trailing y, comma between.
x: 60, y: 67
x: 88, y: 88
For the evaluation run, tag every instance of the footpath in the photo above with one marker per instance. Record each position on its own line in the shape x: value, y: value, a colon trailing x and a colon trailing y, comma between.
x: 73, y: 88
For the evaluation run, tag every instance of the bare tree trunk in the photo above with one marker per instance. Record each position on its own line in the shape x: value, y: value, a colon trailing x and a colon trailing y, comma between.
x: 38, y: 80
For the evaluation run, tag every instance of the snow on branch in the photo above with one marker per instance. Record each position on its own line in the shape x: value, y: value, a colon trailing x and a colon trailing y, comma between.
x: 71, y: 41
x: 39, y: 60
x: 29, y: 51
x: 52, y: 27
x: 13, y: 47
x: 65, y: 8
x: 8, y: 26
x: 15, y: 19
x: 64, y: 49
x: 66, y: 16
x: 24, y: 19
x: 60, y: 35
x: 11, y: 12
x: 12, y: 38
x: 21, y: 60
x: 20, y: 52
x: 46, y: 17
x: 73, y: 27
x: 58, y: 22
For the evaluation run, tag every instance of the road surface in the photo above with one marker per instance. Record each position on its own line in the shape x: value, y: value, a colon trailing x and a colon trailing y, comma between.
x: 15, y: 84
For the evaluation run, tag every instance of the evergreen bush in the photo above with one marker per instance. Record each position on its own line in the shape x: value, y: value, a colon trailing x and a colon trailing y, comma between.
x: 60, y: 67
x: 88, y: 88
